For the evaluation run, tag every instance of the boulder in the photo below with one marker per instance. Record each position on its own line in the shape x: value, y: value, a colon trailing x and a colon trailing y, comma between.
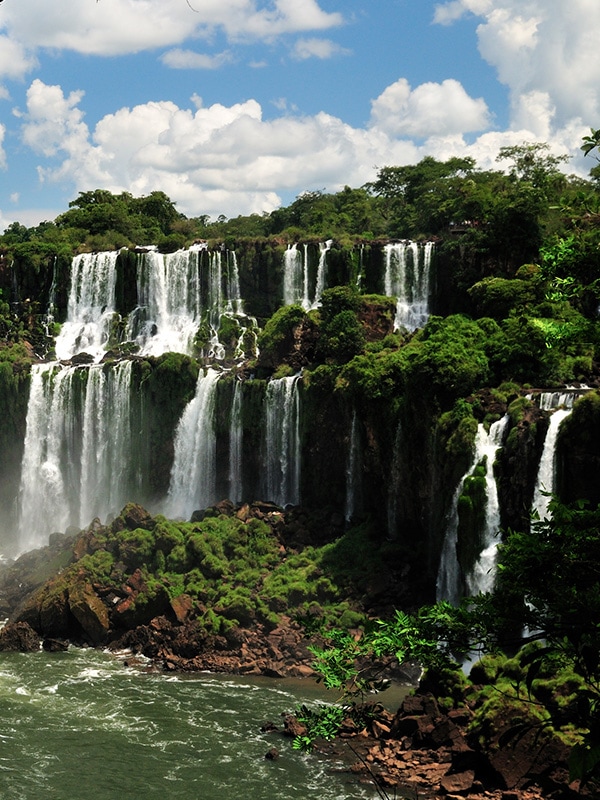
x: 19, y: 637
x: 182, y: 606
x: 89, y: 611
x: 460, y: 783
x: 55, y: 645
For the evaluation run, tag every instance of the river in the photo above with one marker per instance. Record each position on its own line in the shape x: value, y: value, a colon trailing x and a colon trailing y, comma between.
x: 82, y: 725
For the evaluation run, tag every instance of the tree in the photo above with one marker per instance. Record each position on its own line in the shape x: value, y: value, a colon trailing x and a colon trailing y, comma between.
x: 548, y: 584
x: 532, y: 162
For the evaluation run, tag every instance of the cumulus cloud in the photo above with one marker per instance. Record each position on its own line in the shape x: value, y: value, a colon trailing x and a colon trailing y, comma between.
x: 317, y: 48
x: 545, y: 51
x: 215, y: 159
x: 431, y: 108
x: 113, y: 27
x: 15, y: 63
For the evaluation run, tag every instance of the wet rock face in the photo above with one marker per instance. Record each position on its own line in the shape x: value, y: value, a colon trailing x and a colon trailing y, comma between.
x: 516, y: 468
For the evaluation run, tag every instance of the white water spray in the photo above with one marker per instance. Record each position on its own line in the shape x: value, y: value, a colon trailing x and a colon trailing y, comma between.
x: 407, y: 277
x: 91, y: 306
x: 192, y: 483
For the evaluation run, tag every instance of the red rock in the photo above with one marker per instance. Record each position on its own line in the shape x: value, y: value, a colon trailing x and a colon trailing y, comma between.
x: 460, y: 783
x: 182, y: 607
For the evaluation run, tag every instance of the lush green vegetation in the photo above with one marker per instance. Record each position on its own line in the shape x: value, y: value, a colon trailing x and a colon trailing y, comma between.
x: 234, y: 572
x: 548, y: 586
x: 516, y: 303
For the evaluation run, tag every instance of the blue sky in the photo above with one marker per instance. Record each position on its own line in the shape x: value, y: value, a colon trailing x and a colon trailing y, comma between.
x: 237, y: 106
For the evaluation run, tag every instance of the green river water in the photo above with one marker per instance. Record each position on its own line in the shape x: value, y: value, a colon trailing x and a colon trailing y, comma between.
x: 81, y: 725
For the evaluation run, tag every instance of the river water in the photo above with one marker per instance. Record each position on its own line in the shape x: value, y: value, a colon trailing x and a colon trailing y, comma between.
x: 82, y: 725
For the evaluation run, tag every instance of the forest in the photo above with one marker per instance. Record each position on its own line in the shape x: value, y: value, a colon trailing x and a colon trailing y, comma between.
x: 514, y: 311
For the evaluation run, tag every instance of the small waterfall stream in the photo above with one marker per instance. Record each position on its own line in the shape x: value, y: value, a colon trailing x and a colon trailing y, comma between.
x: 560, y: 404
x: 235, y: 445
x: 353, y: 472
x: 293, y: 276
x: 282, y: 441
x: 394, y: 485
x: 482, y: 576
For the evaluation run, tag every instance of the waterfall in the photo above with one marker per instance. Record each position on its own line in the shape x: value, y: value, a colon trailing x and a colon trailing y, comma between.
x: 169, y: 302
x: 177, y: 292
x: 407, y: 277
x: 324, y: 247
x: 235, y: 303
x: 353, y: 474
x: 91, y: 306
x: 449, y: 573
x: 293, y: 276
x: 235, y: 445
x: 481, y: 578
x: 560, y: 404
x: 296, y: 279
x: 78, y: 453
x: 192, y: 484
x: 282, y: 441
x: 394, y: 485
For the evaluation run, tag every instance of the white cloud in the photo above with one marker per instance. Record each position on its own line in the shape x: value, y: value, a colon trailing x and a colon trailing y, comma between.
x: 30, y: 217
x: 449, y: 12
x: 317, y: 48
x: 216, y: 159
x: 188, y: 59
x: 432, y: 108
x: 230, y: 160
x: 15, y: 63
x: 111, y: 27
x: 546, y: 52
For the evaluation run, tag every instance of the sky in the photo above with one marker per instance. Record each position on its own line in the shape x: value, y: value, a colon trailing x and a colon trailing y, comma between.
x: 238, y: 106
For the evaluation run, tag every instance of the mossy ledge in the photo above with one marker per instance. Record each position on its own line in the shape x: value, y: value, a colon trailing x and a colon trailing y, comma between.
x: 226, y: 591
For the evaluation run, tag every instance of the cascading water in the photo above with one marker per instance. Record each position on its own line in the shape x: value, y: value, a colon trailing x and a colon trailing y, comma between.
x: 78, y: 455
x: 235, y: 445
x: 235, y: 303
x: 293, y: 276
x: 177, y: 292
x: 324, y: 247
x: 192, y: 484
x: 407, y: 277
x: 91, y: 306
x: 169, y: 302
x: 353, y: 473
x: 394, y: 485
x: 296, y: 279
x: 482, y: 577
x: 282, y: 441
x: 560, y: 404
